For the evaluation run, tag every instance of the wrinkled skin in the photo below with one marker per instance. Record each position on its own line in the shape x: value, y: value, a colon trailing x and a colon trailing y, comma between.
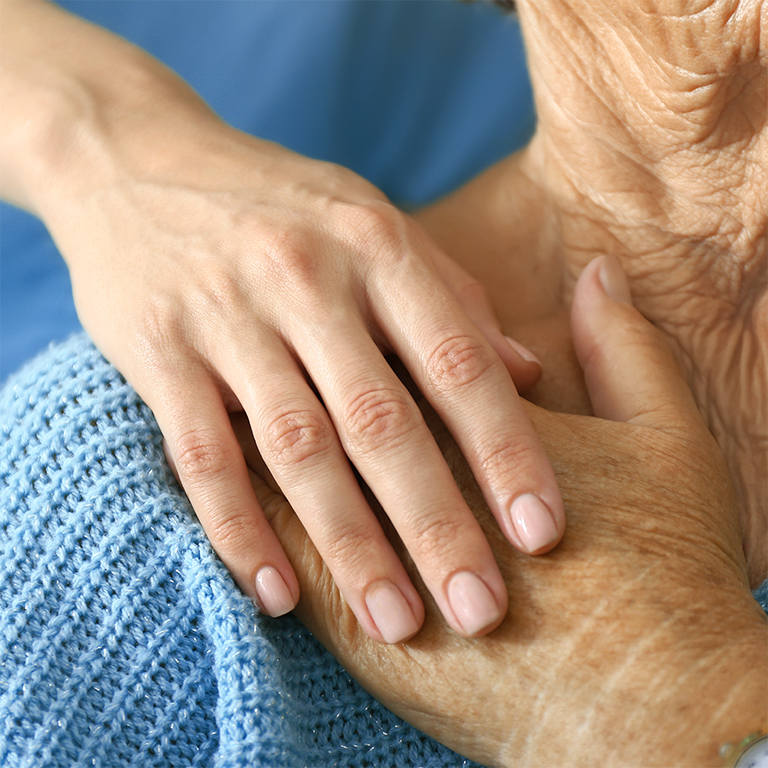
x: 638, y: 625
x: 653, y: 146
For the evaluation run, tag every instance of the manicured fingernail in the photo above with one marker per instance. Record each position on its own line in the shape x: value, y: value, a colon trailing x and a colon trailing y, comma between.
x: 272, y: 594
x: 524, y: 352
x: 390, y: 612
x: 614, y: 280
x: 473, y: 604
x: 533, y: 523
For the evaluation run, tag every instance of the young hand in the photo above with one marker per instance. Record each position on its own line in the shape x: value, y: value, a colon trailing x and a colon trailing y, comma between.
x: 221, y: 273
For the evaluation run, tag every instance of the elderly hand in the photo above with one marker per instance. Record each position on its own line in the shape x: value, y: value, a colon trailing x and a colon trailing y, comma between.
x: 636, y: 643
x: 652, y: 145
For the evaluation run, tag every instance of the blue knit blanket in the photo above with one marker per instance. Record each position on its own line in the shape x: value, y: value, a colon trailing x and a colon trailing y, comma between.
x: 123, y: 640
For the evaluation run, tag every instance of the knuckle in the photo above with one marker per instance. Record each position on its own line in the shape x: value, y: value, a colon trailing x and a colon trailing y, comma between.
x: 289, y: 257
x: 458, y: 361
x: 377, y: 229
x: 159, y: 327
x: 230, y: 533
x: 172, y: 322
x: 202, y: 454
x: 294, y: 436
x: 349, y: 546
x: 508, y: 461
x: 221, y: 291
x: 377, y: 417
x: 433, y: 537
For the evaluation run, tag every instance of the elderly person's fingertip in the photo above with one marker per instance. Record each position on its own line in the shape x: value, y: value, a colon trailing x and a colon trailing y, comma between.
x: 613, y: 280
x: 522, y: 364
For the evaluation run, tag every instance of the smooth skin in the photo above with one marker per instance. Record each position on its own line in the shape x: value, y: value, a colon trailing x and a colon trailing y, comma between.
x: 636, y: 643
x: 221, y: 273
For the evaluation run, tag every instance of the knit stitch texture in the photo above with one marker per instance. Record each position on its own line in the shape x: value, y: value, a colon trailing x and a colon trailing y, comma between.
x: 123, y: 640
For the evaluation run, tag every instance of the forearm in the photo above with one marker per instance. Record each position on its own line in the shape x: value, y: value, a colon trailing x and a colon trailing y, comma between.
x: 78, y: 102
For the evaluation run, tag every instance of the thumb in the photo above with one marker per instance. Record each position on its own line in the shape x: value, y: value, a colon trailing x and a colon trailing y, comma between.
x: 523, y: 366
x: 630, y: 371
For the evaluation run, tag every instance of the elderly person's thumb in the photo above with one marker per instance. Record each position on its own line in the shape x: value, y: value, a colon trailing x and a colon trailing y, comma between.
x: 629, y: 368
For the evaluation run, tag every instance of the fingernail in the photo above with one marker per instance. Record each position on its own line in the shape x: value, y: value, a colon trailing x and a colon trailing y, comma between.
x: 473, y: 604
x: 614, y: 280
x: 390, y: 612
x: 533, y: 523
x: 524, y: 352
x: 272, y: 594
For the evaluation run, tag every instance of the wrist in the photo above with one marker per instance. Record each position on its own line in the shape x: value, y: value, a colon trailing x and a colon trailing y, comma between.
x: 676, y: 695
x: 82, y: 107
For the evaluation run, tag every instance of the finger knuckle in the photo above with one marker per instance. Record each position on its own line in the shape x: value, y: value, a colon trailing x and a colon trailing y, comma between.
x: 231, y: 533
x: 290, y: 260
x: 434, y: 537
x: 458, y: 361
x: 220, y: 293
x: 292, y: 437
x: 377, y: 230
x: 172, y: 322
x: 508, y: 461
x: 349, y: 546
x: 202, y: 455
x: 159, y: 326
x: 378, y: 417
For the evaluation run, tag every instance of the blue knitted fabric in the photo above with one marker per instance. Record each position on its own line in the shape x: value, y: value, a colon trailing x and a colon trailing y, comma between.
x: 123, y: 640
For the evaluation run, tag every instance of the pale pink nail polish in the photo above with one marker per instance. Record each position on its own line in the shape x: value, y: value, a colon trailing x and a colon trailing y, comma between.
x: 473, y: 604
x: 272, y: 594
x: 533, y: 523
x: 524, y: 352
x: 391, y: 612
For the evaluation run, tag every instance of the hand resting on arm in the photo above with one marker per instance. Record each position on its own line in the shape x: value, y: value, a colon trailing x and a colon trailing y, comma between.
x: 637, y: 642
x: 651, y: 145
x: 220, y: 273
